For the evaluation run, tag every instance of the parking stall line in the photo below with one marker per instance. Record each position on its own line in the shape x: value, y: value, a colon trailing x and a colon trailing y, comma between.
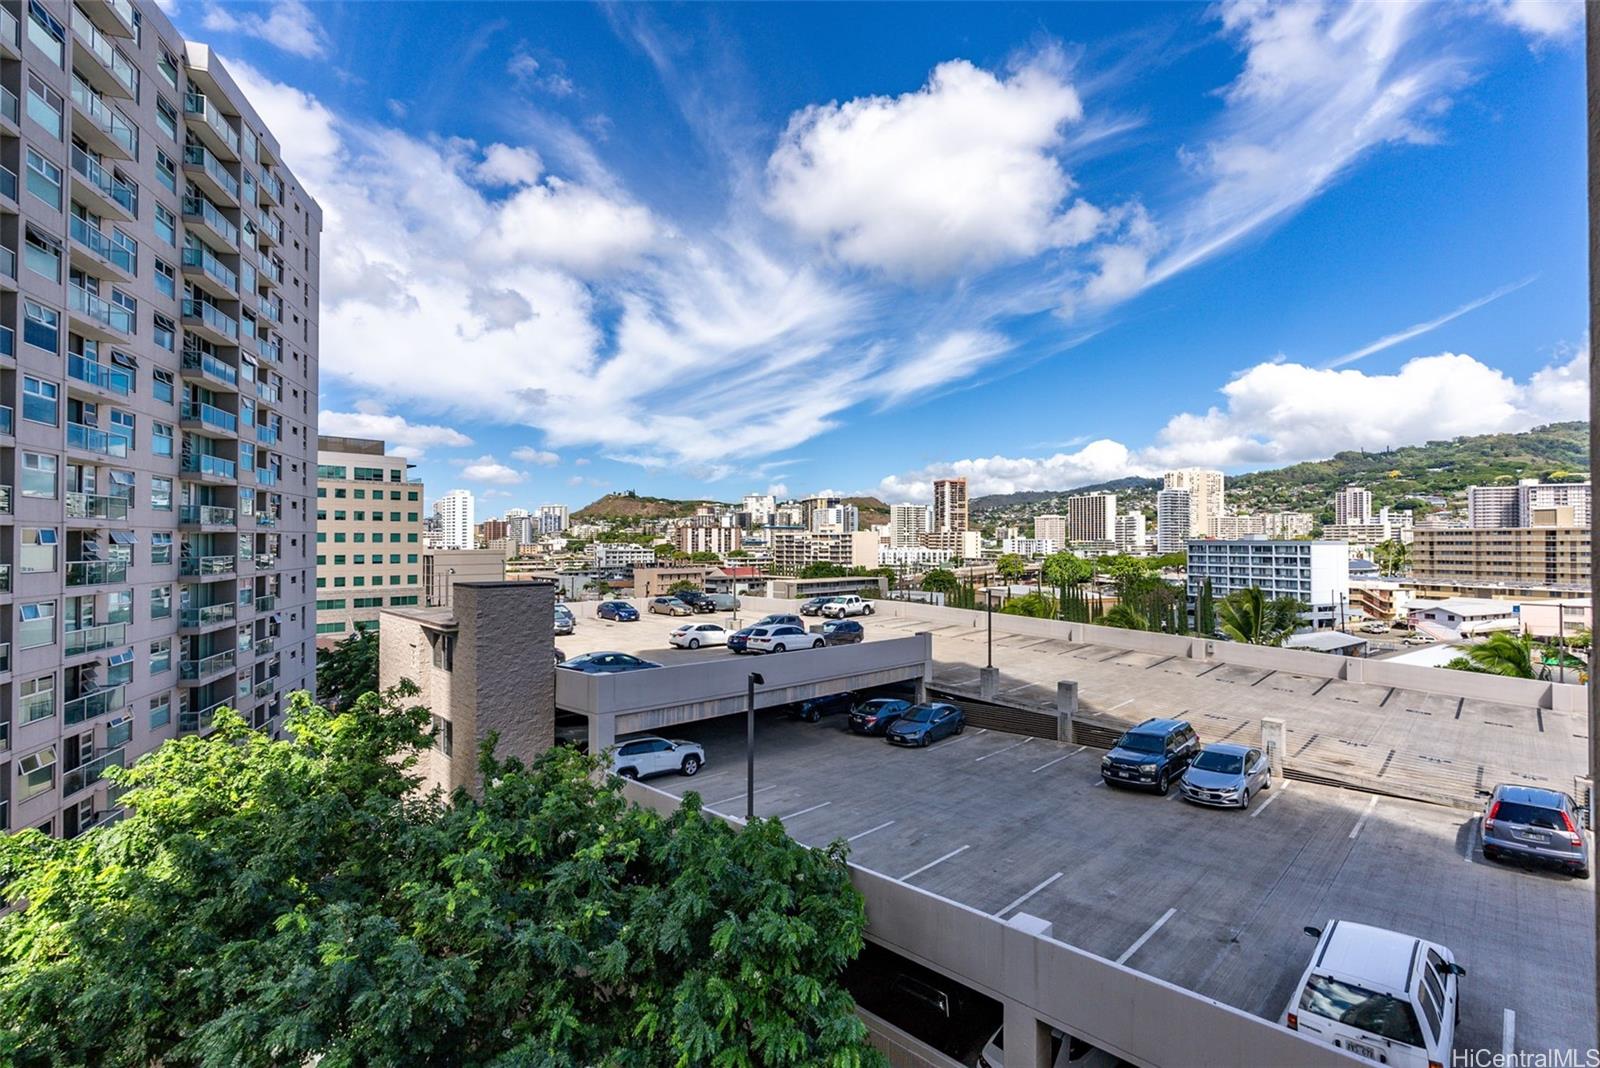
x: 1142, y: 939
x: 869, y: 830
x: 980, y: 730
x: 1119, y: 704
x: 803, y: 811
x: 1006, y: 749
x: 1508, y: 1035
x: 1059, y: 759
x: 1362, y: 822
x: 740, y: 796
x: 1099, y: 782
x: 913, y: 874
x: 1279, y: 792
x: 1029, y: 894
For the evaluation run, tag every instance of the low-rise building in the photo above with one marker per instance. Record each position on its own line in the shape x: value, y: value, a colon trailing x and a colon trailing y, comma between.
x: 362, y: 492
x: 441, y: 570
x: 621, y: 554
x: 702, y: 539
x: 961, y: 544
x: 1463, y: 617
x: 792, y: 551
x: 1316, y: 573
x: 913, y: 557
x: 657, y: 581
x: 1557, y: 618
x: 1552, y: 553
x: 1029, y: 547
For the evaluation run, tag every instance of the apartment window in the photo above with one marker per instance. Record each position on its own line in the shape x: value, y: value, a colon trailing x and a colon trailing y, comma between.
x: 168, y: 68
x: 166, y: 171
x: 36, y: 773
x: 409, y: 599
x: 394, y: 558
x: 160, y: 710
x: 338, y: 583
x: 160, y: 655
x: 321, y: 582
x: 166, y: 225
x: 161, y: 547
x: 41, y: 327
x: 162, y: 387
x: 359, y: 558
x: 160, y: 602
x: 36, y: 624
x: 122, y: 427
x: 44, y: 105
x: 332, y: 604
x: 444, y: 650
x: 359, y: 580
x: 38, y: 475
x: 412, y: 495
x: 330, y: 628
x: 37, y: 698
x: 361, y: 516
x: 44, y: 179
x: 41, y: 401
x: 119, y: 731
x: 338, y: 537
x: 360, y: 537
x: 166, y: 279
x: 411, y: 558
x: 338, y: 560
x: 361, y: 494
x: 42, y: 255
x: 46, y: 34
x: 339, y: 494
x: 330, y: 471
x: 161, y: 439
x: 166, y: 117
x: 38, y: 554
x: 161, y: 494
x: 165, y: 331
x: 412, y: 537
x: 339, y: 513
x: 123, y: 300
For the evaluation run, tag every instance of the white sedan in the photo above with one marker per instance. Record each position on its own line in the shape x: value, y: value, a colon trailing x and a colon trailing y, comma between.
x: 694, y: 635
x: 781, y: 639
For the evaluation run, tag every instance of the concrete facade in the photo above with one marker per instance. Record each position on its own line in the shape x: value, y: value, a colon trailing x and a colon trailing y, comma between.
x: 454, y: 512
x: 483, y: 666
x: 1174, y: 519
x: 1552, y: 556
x: 655, y: 581
x: 1315, y: 572
x: 369, y: 535
x: 1205, y: 489
x: 949, y: 506
x: 441, y: 570
x: 1091, y: 517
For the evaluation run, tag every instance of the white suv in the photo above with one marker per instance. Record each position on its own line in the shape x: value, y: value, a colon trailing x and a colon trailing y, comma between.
x: 850, y: 605
x: 781, y: 639
x: 649, y: 755
x: 1387, y: 997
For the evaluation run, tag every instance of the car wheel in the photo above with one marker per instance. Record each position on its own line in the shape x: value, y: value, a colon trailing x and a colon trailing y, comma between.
x: 1162, y: 786
x: 691, y: 765
x: 813, y: 717
x: 961, y: 727
x: 777, y: 648
x: 1580, y: 873
x: 694, y: 643
x: 1244, y: 800
x: 1266, y: 784
x: 1490, y: 854
x: 869, y: 610
x: 922, y: 742
x: 628, y: 773
x: 817, y: 644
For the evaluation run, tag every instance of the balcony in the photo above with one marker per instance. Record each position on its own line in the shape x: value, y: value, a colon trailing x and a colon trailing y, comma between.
x: 102, y: 377
x: 208, y: 566
x: 213, y: 126
x: 272, y: 350
x: 90, y: 705
x: 264, y: 688
x: 197, y: 363
x: 267, y: 435
x: 263, y: 646
x: 200, y: 264
x: 208, y: 172
x: 7, y: 423
x: 199, y: 722
x: 208, y: 668
x: 206, y: 515
x: 5, y: 500
x: 89, y: 439
x: 93, y: 639
x: 113, y: 16
x: 271, y: 229
x: 268, y: 392
x: 121, y: 198
x: 8, y: 180
x: 86, y: 775
x: 266, y: 519
x: 11, y: 111
x: 270, y: 187
x: 204, y: 417
x: 11, y: 41
x: 266, y: 603
x: 266, y: 476
x: 8, y: 342
x: 108, y: 131
x: 104, y: 64
x: 96, y: 506
x: 211, y: 320
x: 96, y: 572
x: 211, y: 615
x: 272, y: 310
x: 5, y: 665
x: 206, y: 216
x: 113, y: 321
x: 266, y: 561
x: 207, y: 466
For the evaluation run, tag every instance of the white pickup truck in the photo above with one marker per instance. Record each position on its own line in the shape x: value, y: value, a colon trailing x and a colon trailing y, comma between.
x: 849, y: 605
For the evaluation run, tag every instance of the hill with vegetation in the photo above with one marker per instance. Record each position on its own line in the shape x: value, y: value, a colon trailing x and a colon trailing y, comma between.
x: 630, y: 505
x: 873, y: 511
x: 994, y: 502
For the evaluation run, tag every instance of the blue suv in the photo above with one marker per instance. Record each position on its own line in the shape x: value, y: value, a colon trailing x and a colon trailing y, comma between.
x: 1153, y: 755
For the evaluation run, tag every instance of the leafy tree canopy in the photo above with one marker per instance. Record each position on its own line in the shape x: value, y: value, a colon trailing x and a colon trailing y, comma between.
x: 1039, y: 606
x: 1248, y: 615
x: 705, y: 556
x: 1066, y: 569
x: 823, y: 569
x: 940, y: 580
x: 1011, y: 567
x: 348, y: 669
x: 682, y: 586
x: 294, y: 902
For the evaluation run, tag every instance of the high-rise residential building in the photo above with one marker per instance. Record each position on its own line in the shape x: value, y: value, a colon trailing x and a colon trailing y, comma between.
x: 1352, y: 505
x: 159, y: 323
x: 1174, y: 519
x: 1130, y: 532
x: 1553, y: 553
x: 836, y: 519
x: 1315, y: 573
x: 493, y: 529
x: 690, y: 538
x: 791, y: 552
x: 1051, y: 527
x: 1091, y: 517
x: 759, y: 507
x: 1205, y: 489
x: 1535, y: 496
x: 369, y: 535
x: 456, y: 528
x: 949, y: 505
x: 908, y: 522
x: 1492, y: 506
x: 552, y: 518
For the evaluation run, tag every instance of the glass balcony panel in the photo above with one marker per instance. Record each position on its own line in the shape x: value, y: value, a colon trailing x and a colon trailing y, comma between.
x: 90, y: 439
x: 205, y: 464
x: 96, y: 506
x: 113, y: 188
x: 207, y: 515
x: 212, y: 416
x: 101, y: 311
x: 101, y: 376
x: 94, y: 704
x: 96, y: 572
x: 94, y: 639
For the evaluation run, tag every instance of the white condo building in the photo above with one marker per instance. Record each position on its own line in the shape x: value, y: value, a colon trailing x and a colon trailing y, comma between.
x: 552, y: 518
x: 1205, y: 489
x: 1053, y: 527
x: 759, y: 506
x: 1314, y: 572
x: 1353, y: 504
x: 1091, y: 517
x: 1174, y: 519
x: 455, y: 512
x: 907, y: 523
x: 836, y: 519
x: 1030, y: 548
x: 1130, y: 532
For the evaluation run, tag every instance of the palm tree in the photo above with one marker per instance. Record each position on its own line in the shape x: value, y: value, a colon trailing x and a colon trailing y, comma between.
x: 1392, y: 557
x: 1505, y: 654
x: 1126, y: 617
x: 1248, y: 616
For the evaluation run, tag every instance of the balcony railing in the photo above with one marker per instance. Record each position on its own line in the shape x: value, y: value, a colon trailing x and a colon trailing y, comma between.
x: 196, y: 155
x: 94, y: 704
x: 206, y: 464
x: 264, y: 687
x: 112, y: 187
x: 109, y: 54
x: 210, y: 366
x: 266, y: 645
x: 271, y: 184
x: 266, y: 603
x: 8, y: 177
x: 207, y: 615
x: 267, y: 435
x: 215, y: 268
x: 268, y: 392
x: 207, y: 515
x: 224, y: 564
x: 272, y: 308
x: 210, y: 415
x: 86, y: 775
x: 191, y: 670
x: 272, y: 228
x: 101, y: 376
x: 201, y: 208
x: 8, y: 341
x: 124, y: 259
x: 11, y: 34
x: 198, y: 104
x: 272, y: 351
x: 101, y: 311
x: 95, y: 572
x: 196, y: 722
x: 93, y: 639
x: 266, y: 561
x: 11, y: 109
x: 109, y: 119
x: 266, y: 519
x: 211, y: 315
x: 266, y: 476
x: 96, y: 506
x: 269, y: 269
x: 90, y: 439
x: 6, y: 421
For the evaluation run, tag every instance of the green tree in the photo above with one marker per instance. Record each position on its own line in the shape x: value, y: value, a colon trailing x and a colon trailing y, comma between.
x: 1066, y: 569
x: 705, y: 556
x: 290, y: 902
x: 349, y: 669
x: 682, y: 586
x: 1248, y: 615
x: 664, y: 550
x: 1392, y: 556
x: 601, y: 587
x: 1126, y: 617
x: 1168, y: 561
x: 1205, y: 612
x: 1580, y: 638
x: 822, y: 569
x: 941, y: 580
x: 1011, y: 567
x: 739, y: 554
x: 1037, y: 605
x: 1506, y: 654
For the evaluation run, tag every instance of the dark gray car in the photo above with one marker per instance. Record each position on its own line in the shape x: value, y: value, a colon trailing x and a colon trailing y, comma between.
x: 1543, y: 825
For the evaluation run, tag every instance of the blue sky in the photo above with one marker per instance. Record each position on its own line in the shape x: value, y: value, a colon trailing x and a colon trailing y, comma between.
x: 716, y: 249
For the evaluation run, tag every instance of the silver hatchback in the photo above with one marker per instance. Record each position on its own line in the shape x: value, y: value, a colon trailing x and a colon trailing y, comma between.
x: 1226, y: 775
x: 1543, y: 825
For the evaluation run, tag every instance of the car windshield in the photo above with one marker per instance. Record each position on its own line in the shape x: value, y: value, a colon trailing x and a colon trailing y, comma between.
x: 881, y: 704
x: 1528, y: 815
x: 921, y: 713
x: 1142, y: 743
x: 1227, y: 763
x: 1356, y: 1006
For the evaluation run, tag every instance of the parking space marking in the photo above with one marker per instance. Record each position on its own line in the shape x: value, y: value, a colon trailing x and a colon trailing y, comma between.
x: 981, y: 730
x: 1508, y: 1034
x: 1006, y: 749
x: 741, y: 795
x: 1099, y: 782
x: 1119, y: 704
x: 1142, y: 939
x: 1362, y: 822
x: 931, y: 863
x: 1059, y: 759
x: 1029, y: 894
x: 1279, y: 793
x: 869, y: 830
x: 803, y: 811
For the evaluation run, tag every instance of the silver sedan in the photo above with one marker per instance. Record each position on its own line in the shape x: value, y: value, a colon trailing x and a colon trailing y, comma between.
x: 1227, y: 775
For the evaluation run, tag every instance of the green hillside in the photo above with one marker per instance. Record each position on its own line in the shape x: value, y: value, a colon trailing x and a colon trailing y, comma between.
x: 630, y: 505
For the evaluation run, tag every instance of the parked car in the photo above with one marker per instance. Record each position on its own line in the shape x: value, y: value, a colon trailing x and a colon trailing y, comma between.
x: 669, y: 606
x: 566, y: 623
x: 1227, y: 775
x: 638, y: 758
x: 813, y: 709
x: 813, y: 606
x: 607, y: 663
x: 781, y: 639
x: 619, y: 611
x: 1376, y: 626
x: 560, y: 657
x: 1064, y: 1050
x: 696, y: 600
x: 1534, y: 824
x: 694, y: 635
x: 874, y: 717
x: 924, y: 723
x: 843, y: 632
x: 780, y: 620
x: 848, y: 605
x: 723, y: 602
x: 1154, y: 754
x: 1420, y: 638
x: 738, y: 641
x: 1387, y: 997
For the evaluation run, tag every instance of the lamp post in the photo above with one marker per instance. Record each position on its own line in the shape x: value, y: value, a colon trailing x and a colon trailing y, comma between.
x: 752, y: 682
x: 988, y: 603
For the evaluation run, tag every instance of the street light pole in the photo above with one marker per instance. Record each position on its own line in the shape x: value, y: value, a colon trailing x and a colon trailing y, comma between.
x: 752, y: 682
x: 988, y: 602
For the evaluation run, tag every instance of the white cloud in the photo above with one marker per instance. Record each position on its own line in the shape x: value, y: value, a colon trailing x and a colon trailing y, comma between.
x: 952, y: 358
x: 524, y: 70
x: 288, y: 24
x: 505, y: 165
x: 778, y: 490
x: 404, y: 438
x: 960, y: 174
x: 582, y: 461
x: 529, y: 455
x: 570, y: 226
x: 1540, y: 19
x: 487, y: 469
x: 1098, y: 461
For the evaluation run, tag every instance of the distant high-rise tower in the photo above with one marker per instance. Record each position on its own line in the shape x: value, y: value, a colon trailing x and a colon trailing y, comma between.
x: 1205, y: 490
x: 1092, y: 517
x: 1353, y: 504
x: 949, y: 505
x: 907, y: 522
x: 454, y: 510
x: 1174, y: 520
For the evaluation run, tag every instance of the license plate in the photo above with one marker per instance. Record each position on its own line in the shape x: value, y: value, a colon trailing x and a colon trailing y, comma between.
x: 1534, y: 836
x: 1361, y: 1050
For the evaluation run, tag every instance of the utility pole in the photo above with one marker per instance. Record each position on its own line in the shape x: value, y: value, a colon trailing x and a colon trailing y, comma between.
x: 1593, y: 69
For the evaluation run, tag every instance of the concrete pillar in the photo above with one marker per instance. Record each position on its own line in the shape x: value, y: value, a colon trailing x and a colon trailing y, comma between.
x: 1275, y: 740
x: 1027, y: 1039
x: 927, y: 666
x: 988, y: 682
x: 1066, y: 709
x: 1586, y: 798
x: 602, y: 732
x: 1355, y: 670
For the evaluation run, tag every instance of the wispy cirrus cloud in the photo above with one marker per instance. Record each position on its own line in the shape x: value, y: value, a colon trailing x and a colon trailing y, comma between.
x: 286, y: 24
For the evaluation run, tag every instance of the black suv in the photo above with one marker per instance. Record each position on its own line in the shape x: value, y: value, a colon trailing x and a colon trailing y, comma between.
x: 697, y: 601
x: 1153, y: 755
